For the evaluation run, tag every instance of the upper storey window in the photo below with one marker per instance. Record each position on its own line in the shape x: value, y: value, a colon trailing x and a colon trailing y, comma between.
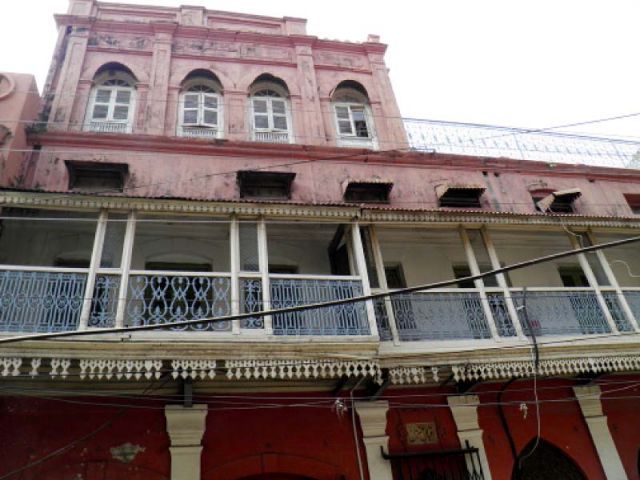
x: 353, y: 117
x: 200, y: 106
x: 112, y: 100
x: 270, y: 111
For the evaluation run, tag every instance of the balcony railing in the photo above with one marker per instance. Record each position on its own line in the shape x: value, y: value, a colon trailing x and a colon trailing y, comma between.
x: 199, y: 132
x: 271, y: 137
x: 348, y: 319
x: 109, y: 127
x: 47, y: 299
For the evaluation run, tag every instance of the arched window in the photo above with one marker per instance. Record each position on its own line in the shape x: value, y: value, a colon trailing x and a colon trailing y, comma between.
x: 353, y: 117
x: 200, y: 106
x: 270, y: 110
x: 112, y: 100
x: 545, y: 462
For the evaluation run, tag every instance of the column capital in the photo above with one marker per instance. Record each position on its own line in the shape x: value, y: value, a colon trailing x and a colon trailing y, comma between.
x: 589, y: 399
x: 373, y: 417
x: 464, y: 409
x: 185, y: 426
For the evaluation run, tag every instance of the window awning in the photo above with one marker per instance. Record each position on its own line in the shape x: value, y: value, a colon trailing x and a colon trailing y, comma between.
x: 559, y: 200
x: 460, y: 194
x: 261, y: 184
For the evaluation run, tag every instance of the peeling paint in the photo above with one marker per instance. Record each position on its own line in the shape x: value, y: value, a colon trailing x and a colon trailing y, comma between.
x: 126, y: 453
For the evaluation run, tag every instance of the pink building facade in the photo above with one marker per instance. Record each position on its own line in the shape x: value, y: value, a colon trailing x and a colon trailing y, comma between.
x: 188, y: 165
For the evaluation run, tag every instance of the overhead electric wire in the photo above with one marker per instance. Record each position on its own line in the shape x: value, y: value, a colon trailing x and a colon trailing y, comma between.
x: 315, y: 306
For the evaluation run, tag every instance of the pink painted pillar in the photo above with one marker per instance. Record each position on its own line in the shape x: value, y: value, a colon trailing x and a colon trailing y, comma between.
x: 237, y: 115
x: 66, y: 89
x: 159, y: 78
x: 310, y: 112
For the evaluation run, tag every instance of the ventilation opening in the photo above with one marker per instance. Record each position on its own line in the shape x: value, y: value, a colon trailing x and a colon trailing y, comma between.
x: 561, y: 201
x: 633, y: 199
x: 368, y: 192
x: 459, y: 196
x: 97, y: 177
x: 268, y: 185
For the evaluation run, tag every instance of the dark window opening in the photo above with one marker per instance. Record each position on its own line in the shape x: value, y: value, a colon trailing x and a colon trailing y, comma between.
x: 573, y: 276
x: 464, y: 196
x: 368, y: 192
x: 395, y: 276
x: 97, y: 177
x: 633, y: 199
x: 268, y: 185
x: 178, y: 267
x: 462, y: 271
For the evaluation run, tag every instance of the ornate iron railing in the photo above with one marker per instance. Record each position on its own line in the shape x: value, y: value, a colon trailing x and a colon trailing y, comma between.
x: 382, y: 319
x: 440, y: 316
x: 155, y: 299
x: 41, y: 301
x: 347, y: 319
x: 617, y: 312
x: 251, y: 301
x: 633, y: 300
x: 567, y: 312
x: 104, y: 302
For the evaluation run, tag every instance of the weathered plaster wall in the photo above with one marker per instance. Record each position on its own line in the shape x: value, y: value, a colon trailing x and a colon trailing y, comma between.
x: 19, y: 105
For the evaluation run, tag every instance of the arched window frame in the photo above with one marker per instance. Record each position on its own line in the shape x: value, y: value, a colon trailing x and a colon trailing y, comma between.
x: 112, y: 103
x: 353, y: 119
x: 201, y: 97
x: 270, y: 113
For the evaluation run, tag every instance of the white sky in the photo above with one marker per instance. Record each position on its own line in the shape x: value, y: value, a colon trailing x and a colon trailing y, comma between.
x: 520, y: 63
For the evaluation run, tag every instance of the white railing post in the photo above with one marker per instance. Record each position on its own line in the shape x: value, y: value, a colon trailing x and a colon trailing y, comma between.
x: 382, y: 280
x: 479, y: 284
x: 263, y: 261
x: 127, y: 251
x: 96, y: 257
x: 502, y: 282
x: 628, y: 313
x: 361, y: 264
x: 234, y: 249
x: 593, y: 282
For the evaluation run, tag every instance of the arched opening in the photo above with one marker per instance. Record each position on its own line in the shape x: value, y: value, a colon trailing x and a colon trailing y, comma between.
x: 353, y: 115
x: 546, y: 462
x: 200, y: 105
x: 112, y: 100
x: 271, y: 110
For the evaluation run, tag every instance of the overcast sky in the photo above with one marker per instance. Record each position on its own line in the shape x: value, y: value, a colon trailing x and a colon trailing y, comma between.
x: 520, y: 63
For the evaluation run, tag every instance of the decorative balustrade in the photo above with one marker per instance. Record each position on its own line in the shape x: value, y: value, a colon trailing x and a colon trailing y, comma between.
x: 109, y: 127
x: 271, y: 137
x: 199, y: 132
x: 633, y: 300
x: 158, y: 298
x: 41, y: 301
x: 347, y: 319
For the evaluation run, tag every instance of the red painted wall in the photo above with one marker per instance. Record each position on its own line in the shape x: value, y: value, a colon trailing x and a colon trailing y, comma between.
x: 622, y: 408
x: 307, y: 441
x: 32, y: 428
x: 562, y: 425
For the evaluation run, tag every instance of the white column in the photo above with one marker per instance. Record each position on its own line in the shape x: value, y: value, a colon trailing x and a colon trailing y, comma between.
x: 94, y: 265
x: 373, y: 421
x: 361, y: 265
x: 234, y: 247
x: 185, y: 426
x: 465, y: 413
x: 591, y: 406
x: 263, y: 261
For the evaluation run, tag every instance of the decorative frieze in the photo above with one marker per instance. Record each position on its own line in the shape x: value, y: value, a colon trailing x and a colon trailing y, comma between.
x: 300, y: 369
x: 10, y: 366
x: 102, y: 369
x: 196, y: 369
x: 230, y: 50
x: 120, y: 42
x: 60, y: 367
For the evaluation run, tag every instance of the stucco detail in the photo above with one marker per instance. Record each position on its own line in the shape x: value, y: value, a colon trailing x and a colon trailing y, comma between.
x: 373, y: 421
x: 185, y: 427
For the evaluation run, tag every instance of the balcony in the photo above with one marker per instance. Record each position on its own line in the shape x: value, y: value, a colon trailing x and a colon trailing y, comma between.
x: 199, y: 132
x: 271, y: 137
x: 67, y: 271
x: 109, y: 127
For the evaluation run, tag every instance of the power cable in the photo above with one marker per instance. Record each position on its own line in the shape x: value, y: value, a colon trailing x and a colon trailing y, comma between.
x: 315, y: 306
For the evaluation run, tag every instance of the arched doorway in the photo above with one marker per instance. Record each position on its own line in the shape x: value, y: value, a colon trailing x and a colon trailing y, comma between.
x: 547, y: 462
